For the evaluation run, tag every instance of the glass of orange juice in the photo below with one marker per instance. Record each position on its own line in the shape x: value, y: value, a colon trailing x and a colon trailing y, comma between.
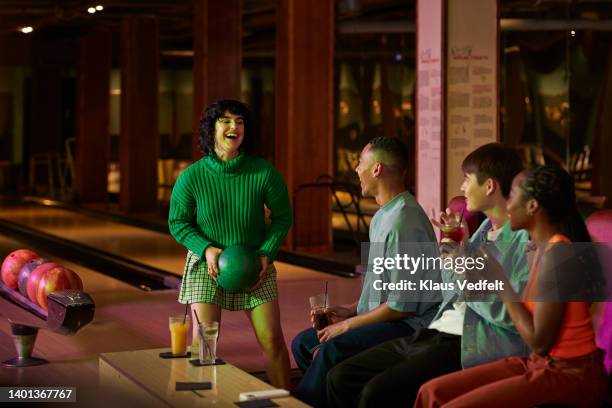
x: 179, y: 326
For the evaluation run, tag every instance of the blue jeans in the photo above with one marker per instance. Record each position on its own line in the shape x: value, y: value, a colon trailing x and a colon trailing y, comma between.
x: 311, y: 389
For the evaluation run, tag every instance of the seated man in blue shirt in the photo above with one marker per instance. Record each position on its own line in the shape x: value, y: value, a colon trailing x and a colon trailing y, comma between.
x: 380, y: 314
x: 462, y: 333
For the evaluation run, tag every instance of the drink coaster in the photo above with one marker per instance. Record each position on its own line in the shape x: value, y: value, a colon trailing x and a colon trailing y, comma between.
x: 197, y: 363
x: 168, y: 354
x: 191, y: 386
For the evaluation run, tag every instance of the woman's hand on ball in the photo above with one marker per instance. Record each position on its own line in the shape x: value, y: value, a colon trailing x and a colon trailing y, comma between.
x: 265, y: 262
x: 212, y: 257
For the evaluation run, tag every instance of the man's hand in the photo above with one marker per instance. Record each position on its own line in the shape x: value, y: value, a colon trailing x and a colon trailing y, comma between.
x: 339, y: 313
x: 212, y: 258
x: 334, y: 330
x: 265, y: 262
x: 335, y: 314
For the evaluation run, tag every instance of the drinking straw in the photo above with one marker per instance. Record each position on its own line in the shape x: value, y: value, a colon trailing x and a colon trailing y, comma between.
x: 325, y: 301
x: 461, y: 218
x: 185, y: 315
x: 201, y: 334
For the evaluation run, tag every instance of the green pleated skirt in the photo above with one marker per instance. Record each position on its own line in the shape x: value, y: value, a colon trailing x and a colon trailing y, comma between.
x: 198, y: 287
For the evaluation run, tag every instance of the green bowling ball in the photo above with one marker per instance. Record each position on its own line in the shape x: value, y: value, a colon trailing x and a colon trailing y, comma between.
x: 239, y: 268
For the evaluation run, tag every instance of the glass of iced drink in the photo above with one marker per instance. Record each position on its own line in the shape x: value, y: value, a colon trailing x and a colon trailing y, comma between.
x: 318, y: 306
x: 209, y: 332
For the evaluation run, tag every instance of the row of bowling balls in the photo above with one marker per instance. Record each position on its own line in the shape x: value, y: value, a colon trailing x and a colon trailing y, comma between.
x: 35, y: 277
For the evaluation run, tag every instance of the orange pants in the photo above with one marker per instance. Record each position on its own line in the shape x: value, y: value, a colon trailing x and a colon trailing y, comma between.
x: 521, y: 382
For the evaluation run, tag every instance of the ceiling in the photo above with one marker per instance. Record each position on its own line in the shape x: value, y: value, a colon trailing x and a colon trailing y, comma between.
x: 70, y: 17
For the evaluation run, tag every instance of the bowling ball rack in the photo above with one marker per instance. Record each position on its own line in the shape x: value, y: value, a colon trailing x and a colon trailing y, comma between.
x: 69, y: 310
x: 17, y: 298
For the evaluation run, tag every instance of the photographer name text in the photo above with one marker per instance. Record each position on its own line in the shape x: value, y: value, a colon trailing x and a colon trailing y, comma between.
x: 479, y: 285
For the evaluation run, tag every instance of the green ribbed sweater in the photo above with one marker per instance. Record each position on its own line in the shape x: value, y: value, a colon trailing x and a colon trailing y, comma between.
x: 222, y: 203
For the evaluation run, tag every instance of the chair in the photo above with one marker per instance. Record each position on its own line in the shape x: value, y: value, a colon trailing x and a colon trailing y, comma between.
x: 42, y: 163
x: 599, y: 225
x: 346, y: 198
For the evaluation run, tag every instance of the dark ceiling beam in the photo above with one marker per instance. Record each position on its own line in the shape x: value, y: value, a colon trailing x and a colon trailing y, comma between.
x: 250, y: 7
x: 506, y: 24
x: 521, y: 24
x: 367, y: 27
x: 23, y: 12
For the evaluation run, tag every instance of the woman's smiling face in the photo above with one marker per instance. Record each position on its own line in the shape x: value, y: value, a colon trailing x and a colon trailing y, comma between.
x: 229, y: 133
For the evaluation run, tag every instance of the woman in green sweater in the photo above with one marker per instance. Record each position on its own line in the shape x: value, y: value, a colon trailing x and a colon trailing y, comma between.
x: 219, y: 201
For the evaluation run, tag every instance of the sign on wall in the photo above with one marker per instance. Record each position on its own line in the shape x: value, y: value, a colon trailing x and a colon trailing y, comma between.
x: 472, y: 91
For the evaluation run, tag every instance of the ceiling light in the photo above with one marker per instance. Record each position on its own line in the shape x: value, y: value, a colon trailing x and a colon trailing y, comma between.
x: 91, y: 10
x: 573, y: 33
x: 27, y: 30
x: 99, y: 7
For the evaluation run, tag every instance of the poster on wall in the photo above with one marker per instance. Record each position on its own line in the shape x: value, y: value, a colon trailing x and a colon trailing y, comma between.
x: 472, y: 93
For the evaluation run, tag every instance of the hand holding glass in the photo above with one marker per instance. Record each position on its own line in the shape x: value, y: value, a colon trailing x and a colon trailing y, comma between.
x: 452, y: 229
x: 318, y: 309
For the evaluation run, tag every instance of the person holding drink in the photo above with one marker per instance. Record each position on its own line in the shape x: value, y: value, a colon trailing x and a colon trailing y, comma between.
x: 565, y: 366
x: 219, y: 202
x: 319, y: 311
x: 462, y: 333
x: 378, y: 316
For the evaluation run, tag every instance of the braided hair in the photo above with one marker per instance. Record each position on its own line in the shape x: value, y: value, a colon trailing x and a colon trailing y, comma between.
x: 553, y: 189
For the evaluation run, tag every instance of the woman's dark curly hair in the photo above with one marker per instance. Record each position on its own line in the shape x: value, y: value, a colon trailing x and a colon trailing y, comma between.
x: 553, y: 189
x: 214, y: 112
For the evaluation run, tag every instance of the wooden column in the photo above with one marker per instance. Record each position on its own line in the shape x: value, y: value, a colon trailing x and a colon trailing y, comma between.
x: 602, y: 165
x: 46, y: 113
x: 304, y: 113
x: 457, y: 91
x: 217, y: 58
x: 93, y: 116
x: 139, y: 139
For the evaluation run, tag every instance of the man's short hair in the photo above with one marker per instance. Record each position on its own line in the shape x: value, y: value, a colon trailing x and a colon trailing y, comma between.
x: 496, y: 161
x: 390, y: 151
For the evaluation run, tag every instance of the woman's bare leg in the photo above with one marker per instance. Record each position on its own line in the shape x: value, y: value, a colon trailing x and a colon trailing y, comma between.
x: 206, y: 313
x: 265, y: 320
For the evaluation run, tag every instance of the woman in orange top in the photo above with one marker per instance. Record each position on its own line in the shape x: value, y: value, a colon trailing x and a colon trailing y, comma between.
x: 565, y: 367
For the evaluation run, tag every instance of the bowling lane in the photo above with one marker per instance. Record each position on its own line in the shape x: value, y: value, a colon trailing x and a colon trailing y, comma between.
x: 128, y: 318
x: 145, y: 246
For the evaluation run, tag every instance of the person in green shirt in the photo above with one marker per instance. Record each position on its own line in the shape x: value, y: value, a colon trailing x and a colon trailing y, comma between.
x: 219, y: 201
